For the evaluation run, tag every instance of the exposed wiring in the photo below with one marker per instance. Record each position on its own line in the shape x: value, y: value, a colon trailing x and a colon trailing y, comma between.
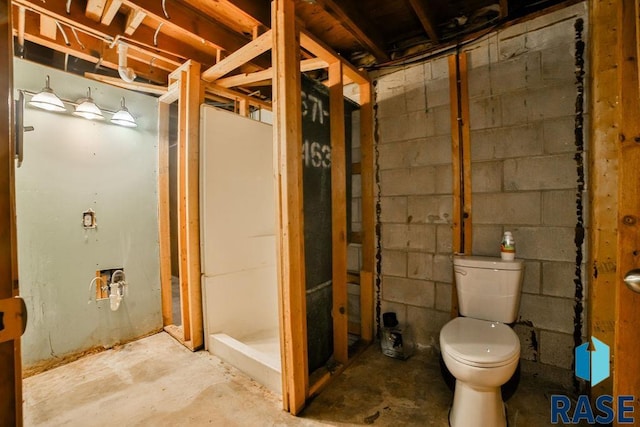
x: 75, y: 34
x: 68, y: 7
x: 164, y: 9
x: 155, y: 35
x: 64, y: 35
x: 103, y: 288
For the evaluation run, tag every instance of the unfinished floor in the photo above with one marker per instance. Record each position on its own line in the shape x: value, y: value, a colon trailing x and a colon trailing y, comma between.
x: 156, y: 381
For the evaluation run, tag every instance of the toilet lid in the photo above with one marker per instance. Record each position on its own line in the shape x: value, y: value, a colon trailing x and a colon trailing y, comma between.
x: 479, y: 342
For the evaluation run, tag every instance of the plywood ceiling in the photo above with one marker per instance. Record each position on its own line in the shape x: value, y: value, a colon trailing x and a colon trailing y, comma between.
x: 162, y: 34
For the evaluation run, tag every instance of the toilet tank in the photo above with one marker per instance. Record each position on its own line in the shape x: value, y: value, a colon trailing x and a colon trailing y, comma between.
x: 488, y: 288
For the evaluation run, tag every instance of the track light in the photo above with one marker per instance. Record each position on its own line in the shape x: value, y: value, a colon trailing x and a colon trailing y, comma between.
x: 47, y: 99
x: 88, y: 109
x: 123, y: 117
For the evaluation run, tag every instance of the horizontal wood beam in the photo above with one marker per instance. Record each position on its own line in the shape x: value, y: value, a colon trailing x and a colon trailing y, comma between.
x: 421, y: 9
x: 266, y: 75
x: 48, y: 27
x: 236, y: 96
x: 240, y: 57
x: 318, y: 48
x: 144, y: 36
x: 258, y: 10
x: 356, y: 23
x: 93, y: 50
x: 137, y: 86
x: 190, y: 22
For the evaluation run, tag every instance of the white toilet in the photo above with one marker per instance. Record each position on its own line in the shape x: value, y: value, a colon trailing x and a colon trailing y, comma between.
x: 480, y: 350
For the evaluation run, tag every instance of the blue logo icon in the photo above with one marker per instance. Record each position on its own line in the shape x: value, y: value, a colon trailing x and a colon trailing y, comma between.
x: 593, y: 365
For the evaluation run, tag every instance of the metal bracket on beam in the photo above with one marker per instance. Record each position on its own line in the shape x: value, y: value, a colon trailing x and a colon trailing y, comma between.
x: 13, y: 319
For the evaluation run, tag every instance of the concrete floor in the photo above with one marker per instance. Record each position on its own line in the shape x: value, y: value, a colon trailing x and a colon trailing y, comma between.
x: 156, y: 381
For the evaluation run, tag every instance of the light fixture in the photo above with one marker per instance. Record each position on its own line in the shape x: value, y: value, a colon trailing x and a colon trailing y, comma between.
x: 123, y: 117
x: 47, y: 99
x: 88, y: 109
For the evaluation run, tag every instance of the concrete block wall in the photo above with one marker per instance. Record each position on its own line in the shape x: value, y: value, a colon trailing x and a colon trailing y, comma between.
x: 414, y: 162
x: 522, y: 111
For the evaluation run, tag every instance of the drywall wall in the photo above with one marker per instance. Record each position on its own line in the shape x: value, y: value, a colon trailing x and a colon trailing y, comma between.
x: 522, y: 107
x: 238, y: 224
x: 71, y: 165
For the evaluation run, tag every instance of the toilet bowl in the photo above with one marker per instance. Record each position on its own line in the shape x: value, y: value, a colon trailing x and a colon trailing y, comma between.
x: 482, y: 356
x: 479, y: 349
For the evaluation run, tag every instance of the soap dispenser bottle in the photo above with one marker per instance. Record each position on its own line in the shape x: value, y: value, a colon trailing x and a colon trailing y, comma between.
x: 508, y: 247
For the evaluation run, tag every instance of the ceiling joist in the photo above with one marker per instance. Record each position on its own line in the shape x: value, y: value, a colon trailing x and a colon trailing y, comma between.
x: 368, y: 36
x: 241, y: 56
x: 504, y: 8
x: 236, y: 96
x: 48, y: 27
x: 421, y: 9
x: 110, y: 10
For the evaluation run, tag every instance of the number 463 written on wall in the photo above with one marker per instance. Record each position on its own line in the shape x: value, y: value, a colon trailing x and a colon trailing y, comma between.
x: 316, y: 155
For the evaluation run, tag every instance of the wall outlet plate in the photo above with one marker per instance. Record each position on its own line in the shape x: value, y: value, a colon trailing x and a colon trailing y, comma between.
x: 89, y: 219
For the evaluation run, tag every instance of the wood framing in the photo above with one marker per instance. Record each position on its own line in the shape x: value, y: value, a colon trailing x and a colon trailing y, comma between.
x: 10, y: 358
x: 187, y: 90
x: 287, y: 132
x: 367, y: 172
x: 603, y: 178
x: 164, y: 214
x: 259, y: 76
x: 134, y: 19
x: 94, y: 9
x: 110, y: 10
x: 338, y: 214
x: 421, y: 8
x: 233, y: 95
x: 461, y: 157
x: 626, y: 379
x: 240, y: 57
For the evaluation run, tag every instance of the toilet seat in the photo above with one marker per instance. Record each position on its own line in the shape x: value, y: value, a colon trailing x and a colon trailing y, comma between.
x: 479, y: 343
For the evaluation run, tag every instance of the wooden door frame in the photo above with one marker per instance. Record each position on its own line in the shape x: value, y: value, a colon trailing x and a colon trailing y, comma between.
x: 184, y: 87
x: 10, y: 355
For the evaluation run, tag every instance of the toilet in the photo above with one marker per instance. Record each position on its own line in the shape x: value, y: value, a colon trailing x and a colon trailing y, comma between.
x: 480, y: 350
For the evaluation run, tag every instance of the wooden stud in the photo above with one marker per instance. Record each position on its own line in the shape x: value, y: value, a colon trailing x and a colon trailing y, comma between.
x: 48, y: 27
x: 10, y: 358
x: 603, y: 178
x: 110, y: 10
x: 240, y: 57
x: 626, y: 380
x: 243, y: 108
x: 164, y: 215
x: 287, y: 132
x: 338, y: 214
x: 94, y: 9
x: 183, y: 221
x: 367, y: 170
x: 259, y: 76
x: 134, y: 19
x: 461, y: 161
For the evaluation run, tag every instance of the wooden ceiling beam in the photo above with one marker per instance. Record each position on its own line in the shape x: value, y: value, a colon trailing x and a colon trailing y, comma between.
x: 368, y: 36
x: 48, y: 27
x: 236, y: 96
x: 94, y: 9
x: 110, y: 10
x: 240, y: 57
x: 89, y: 49
x: 504, y: 8
x: 137, y: 86
x: 425, y: 15
x: 318, y: 48
x: 144, y: 36
x: 267, y: 75
x: 260, y: 11
x: 191, y: 23
x: 134, y: 19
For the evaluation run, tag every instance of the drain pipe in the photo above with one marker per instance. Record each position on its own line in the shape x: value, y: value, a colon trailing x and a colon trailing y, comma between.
x: 126, y: 73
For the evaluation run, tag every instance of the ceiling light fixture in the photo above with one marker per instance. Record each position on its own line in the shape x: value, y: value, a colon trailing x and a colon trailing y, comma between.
x: 47, y: 99
x: 123, y: 117
x: 88, y: 109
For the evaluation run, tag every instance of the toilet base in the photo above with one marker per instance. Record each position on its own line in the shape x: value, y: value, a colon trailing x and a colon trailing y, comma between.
x: 477, y: 406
